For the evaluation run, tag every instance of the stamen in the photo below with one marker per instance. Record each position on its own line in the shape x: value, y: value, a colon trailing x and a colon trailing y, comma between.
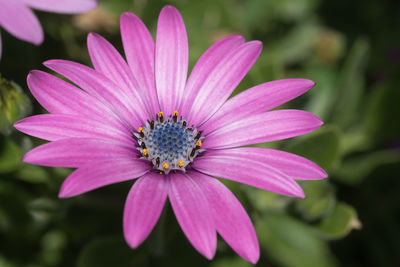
x: 175, y: 115
x: 198, y: 135
x: 166, y: 166
x: 158, y: 161
x: 161, y: 116
x: 198, y: 143
x: 140, y: 131
x: 181, y: 163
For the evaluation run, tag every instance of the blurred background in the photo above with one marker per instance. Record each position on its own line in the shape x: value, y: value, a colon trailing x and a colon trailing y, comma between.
x: 351, y: 49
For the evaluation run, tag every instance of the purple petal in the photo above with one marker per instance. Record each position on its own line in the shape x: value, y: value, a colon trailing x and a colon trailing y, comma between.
x: 231, y: 219
x: 20, y: 21
x: 54, y: 127
x: 102, y: 173
x: 108, y: 61
x: 143, y: 207
x: 77, y: 152
x: 139, y: 51
x: 222, y: 80
x: 292, y: 165
x: 206, y: 65
x: 247, y: 171
x: 256, y: 100
x: 171, y: 60
x: 62, y: 6
x: 264, y: 127
x: 193, y: 213
x: 58, y: 96
x: 100, y: 87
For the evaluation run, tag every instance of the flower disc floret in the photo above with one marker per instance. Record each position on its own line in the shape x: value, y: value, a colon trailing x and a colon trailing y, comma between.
x: 168, y: 143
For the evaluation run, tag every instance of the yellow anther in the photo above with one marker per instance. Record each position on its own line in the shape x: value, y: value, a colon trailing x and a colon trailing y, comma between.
x: 144, y: 151
x: 160, y: 114
x: 140, y: 130
x: 176, y: 113
x: 181, y: 163
x: 199, y: 143
x: 165, y: 166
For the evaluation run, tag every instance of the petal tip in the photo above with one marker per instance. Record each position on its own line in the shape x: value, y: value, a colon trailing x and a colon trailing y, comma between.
x: 51, y: 62
x: 209, y: 254
x: 253, y: 259
x: 323, y: 174
x: 169, y: 8
x: 127, y: 15
x: 64, y: 193
x: 132, y: 240
x: 257, y: 44
x: 300, y: 194
x: 27, y: 158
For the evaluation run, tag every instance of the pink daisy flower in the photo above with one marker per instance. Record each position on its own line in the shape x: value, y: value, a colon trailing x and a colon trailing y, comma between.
x: 18, y: 19
x: 144, y: 119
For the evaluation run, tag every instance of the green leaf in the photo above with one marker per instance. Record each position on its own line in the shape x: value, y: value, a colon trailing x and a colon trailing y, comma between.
x: 292, y: 243
x: 53, y: 243
x: 354, y: 170
x: 304, y: 36
x: 231, y: 262
x: 351, y: 85
x: 340, y: 222
x: 5, y: 263
x: 32, y: 174
x: 319, y: 200
x: 10, y: 155
x: 109, y: 251
x: 382, y: 110
x: 14, y: 105
x: 321, y: 146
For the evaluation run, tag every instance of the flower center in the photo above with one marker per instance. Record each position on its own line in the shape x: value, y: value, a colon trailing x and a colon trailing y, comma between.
x: 168, y: 143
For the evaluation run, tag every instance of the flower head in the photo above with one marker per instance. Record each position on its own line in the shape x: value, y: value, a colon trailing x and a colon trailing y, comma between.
x: 17, y: 18
x: 144, y: 119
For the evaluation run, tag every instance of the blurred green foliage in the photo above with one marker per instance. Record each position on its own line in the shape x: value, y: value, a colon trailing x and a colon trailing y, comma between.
x: 350, y: 49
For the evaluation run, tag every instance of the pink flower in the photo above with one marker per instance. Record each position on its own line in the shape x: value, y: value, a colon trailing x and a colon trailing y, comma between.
x: 17, y: 18
x: 145, y: 120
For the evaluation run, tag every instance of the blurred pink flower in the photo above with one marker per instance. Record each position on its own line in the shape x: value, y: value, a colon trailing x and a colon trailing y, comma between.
x: 144, y: 119
x: 17, y: 18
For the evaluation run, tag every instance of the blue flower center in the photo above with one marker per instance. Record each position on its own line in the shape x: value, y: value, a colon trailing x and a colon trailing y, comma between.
x: 168, y: 143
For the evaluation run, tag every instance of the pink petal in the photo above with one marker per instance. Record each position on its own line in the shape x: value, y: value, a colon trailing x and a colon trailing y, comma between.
x: 264, y: 127
x: 171, y: 60
x: 222, y: 80
x: 20, y: 21
x: 76, y: 152
x: 143, y: 207
x: 139, y: 51
x: 193, y: 213
x: 256, y: 100
x: 58, y: 96
x: 100, y: 87
x: 206, y: 64
x: 102, y: 173
x: 59, y: 126
x: 62, y: 6
x: 108, y: 61
x: 231, y: 219
x: 292, y: 165
x: 247, y: 171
